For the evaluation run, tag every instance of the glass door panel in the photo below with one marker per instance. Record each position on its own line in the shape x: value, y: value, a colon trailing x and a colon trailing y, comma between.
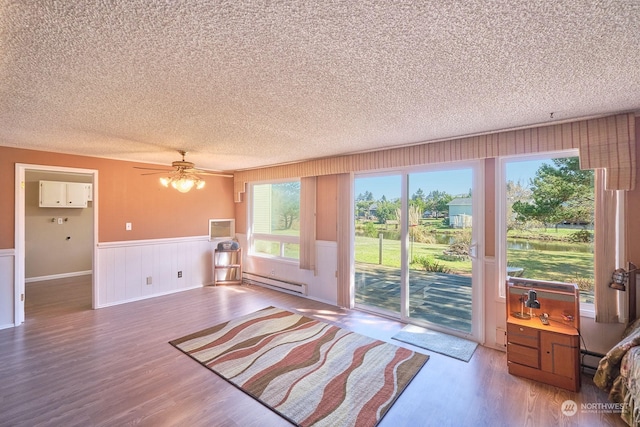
x: 441, y: 248
x: 378, y: 257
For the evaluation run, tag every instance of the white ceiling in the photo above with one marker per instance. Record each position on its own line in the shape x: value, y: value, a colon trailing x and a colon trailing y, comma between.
x: 241, y: 84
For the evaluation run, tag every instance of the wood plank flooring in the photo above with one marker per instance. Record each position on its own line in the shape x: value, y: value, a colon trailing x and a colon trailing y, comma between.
x: 69, y: 365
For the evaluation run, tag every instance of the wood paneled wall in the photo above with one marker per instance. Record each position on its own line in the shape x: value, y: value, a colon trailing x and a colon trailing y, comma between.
x: 607, y: 142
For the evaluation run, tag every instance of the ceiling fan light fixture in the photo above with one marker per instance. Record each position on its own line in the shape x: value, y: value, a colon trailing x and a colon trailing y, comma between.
x: 183, y: 184
x: 184, y: 177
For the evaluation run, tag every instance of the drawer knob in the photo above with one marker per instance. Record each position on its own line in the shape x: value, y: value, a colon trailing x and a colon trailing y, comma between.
x: 521, y: 329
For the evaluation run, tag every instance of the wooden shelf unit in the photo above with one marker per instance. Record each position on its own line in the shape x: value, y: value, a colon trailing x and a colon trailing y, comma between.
x: 227, y: 266
x: 546, y: 353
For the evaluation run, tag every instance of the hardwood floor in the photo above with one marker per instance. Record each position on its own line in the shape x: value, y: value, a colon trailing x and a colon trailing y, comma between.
x: 69, y: 365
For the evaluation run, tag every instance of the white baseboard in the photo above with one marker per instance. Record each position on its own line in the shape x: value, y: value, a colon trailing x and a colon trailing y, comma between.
x: 58, y: 276
x: 174, y: 291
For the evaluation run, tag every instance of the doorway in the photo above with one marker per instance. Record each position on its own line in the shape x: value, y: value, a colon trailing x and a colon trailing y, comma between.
x: 25, y: 175
x: 416, y: 247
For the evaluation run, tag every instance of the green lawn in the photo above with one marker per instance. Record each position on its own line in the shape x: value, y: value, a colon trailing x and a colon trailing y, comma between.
x: 544, y: 265
x: 367, y: 250
x: 562, y: 262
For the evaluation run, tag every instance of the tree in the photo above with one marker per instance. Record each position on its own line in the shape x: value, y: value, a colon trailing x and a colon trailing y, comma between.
x: 516, y: 192
x: 286, y: 198
x: 386, y: 210
x: 418, y: 200
x: 437, y: 201
x: 363, y: 204
x: 560, y: 192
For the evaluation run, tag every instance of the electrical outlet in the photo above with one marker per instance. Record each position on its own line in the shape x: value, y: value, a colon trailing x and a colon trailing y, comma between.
x: 127, y: 226
x: 149, y: 280
x: 59, y: 220
x: 180, y: 274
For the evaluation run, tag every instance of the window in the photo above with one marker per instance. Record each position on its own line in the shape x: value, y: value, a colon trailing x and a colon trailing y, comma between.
x: 548, y: 221
x: 275, y: 219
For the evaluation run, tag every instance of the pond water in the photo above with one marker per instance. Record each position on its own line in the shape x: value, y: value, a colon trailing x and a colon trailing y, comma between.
x: 514, y: 244
x: 528, y: 245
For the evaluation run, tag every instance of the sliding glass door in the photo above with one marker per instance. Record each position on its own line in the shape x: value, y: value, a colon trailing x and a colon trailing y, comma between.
x: 378, y: 273
x: 416, y: 246
x: 441, y: 248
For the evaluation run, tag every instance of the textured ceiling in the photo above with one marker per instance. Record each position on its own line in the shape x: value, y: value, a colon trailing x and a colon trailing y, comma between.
x: 241, y: 84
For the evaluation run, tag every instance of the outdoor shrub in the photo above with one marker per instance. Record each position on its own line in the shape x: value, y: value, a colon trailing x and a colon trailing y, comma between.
x: 429, y: 264
x: 370, y: 229
x: 420, y: 234
x: 582, y: 236
x: 584, y: 283
x: 460, y: 244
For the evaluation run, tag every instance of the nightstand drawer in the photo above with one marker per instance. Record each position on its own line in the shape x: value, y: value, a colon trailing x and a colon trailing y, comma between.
x: 522, y: 335
x: 523, y: 355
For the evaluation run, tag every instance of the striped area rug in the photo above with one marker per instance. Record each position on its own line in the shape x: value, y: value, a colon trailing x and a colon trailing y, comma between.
x: 310, y: 372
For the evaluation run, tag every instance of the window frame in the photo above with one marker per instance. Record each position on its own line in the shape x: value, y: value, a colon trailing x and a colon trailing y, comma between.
x: 586, y: 309
x: 281, y: 239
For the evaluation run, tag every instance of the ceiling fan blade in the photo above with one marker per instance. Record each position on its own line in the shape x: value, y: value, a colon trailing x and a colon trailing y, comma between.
x: 183, y: 167
x: 225, y: 175
x: 203, y: 172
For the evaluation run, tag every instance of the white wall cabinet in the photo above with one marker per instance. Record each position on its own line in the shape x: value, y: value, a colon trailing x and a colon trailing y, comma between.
x: 57, y: 194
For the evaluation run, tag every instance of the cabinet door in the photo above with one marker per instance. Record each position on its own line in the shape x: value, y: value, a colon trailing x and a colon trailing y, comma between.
x: 52, y: 194
x: 76, y: 195
x: 558, y: 354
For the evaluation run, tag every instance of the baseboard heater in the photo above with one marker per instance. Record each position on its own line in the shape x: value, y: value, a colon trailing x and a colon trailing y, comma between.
x: 275, y: 283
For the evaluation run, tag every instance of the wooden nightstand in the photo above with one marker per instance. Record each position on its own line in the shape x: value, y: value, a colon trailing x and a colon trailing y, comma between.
x: 546, y: 353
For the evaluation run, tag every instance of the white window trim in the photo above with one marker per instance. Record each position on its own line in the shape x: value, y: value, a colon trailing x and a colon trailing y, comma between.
x: 282, y: 239
x: 586, y: 309
x: 251, y: 236
x: 621, y: 255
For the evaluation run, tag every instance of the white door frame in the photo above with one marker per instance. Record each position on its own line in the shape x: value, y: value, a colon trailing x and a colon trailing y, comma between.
x: 477, y: 245
x: 478, y: 288
x: 19, y: 259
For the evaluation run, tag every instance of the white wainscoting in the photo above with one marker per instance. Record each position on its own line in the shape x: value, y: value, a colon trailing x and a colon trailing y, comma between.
x: 321, y: 286
x: 7, y: 300
x: 123, y: 268
x: 325, y: 283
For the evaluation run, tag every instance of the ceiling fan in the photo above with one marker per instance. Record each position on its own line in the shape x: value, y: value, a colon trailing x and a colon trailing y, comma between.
x: 184, y: 175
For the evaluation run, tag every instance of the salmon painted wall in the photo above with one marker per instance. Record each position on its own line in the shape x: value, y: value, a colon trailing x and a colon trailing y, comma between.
x: 240, y: 210
x: 124, y: 196
x: 326, y: 210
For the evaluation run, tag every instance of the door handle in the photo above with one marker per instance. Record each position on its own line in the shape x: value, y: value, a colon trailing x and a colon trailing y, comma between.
x: 473, y: 250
